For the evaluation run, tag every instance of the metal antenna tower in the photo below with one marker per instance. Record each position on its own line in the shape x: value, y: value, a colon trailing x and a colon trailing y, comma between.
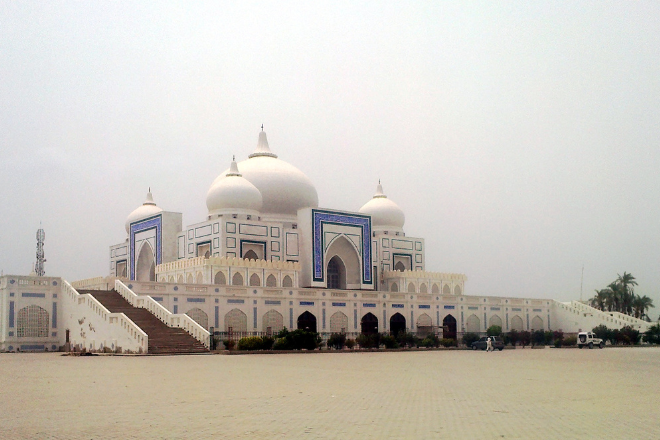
x: 39, y: 267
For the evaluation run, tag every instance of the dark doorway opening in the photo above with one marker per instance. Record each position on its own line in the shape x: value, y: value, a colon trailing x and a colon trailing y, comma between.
x: 307, y: 322
x: 397, y: 324
x: 369, y: 324
x: 449, y: 327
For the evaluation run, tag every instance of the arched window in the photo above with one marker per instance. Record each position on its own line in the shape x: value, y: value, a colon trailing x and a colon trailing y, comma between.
x: 180, y: 279
x: 411, y: 288
x: 237, y: 279
x: 250, y: 255
x: 446, y: 290
x: 236, y: 320
x: 287, y: 282
x: 457, y: 290
x: 338, y: 323
x: 255, y: 280
x: 190, y: 279
x: 220, y: 278
x: 394, y: 287
x: 435, y: 288
x: 32, y: 322
x: 335, y: 272
x: 273, y: 322
x: 399, y: 266
x: 200, y: 278
x: 271, y: 281
x: 422, y: 288
x: 199, y: 316
x: 495, y: 320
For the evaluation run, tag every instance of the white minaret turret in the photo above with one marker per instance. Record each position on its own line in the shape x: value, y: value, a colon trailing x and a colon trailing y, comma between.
x: 39, y: 266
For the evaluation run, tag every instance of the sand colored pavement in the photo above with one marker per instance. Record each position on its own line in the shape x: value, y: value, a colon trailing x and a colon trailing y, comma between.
x: 514, y: 394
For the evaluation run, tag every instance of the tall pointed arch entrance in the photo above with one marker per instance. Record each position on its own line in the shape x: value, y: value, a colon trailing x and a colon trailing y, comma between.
x: 146, y: 266
x: 397, y: 324
x: 449, y: 327
x: 369, y: 324
x: 306, y: 321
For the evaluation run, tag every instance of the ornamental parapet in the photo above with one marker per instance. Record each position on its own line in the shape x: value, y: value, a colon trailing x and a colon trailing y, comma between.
x: 424, y: 275
x: 199, y: 262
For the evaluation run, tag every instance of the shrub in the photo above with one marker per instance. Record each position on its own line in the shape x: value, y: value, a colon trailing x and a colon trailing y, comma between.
x: 652, y: 335
x: 268, y: 342
x: 514, y: 337
x: 469, y: 338
x: 430, y: 341
x: 250, y: 343
x: 570, y: 341
x: 602, y: 332
x: 229, y: 344
x: 350, y: 343
x: 494, y: 330
x: 506, y: 339
x: 369, y: 341
x: 525, y: 338
x: 538, y: 337
x: 302, y: 339
x: 407, y: 339
x: 337, y: 341
x: 558, y: 337
x: 630, y: 335
x: 281, y: 344
x: 548, y: 338
x: 448, y: 342
x: 389, y: 341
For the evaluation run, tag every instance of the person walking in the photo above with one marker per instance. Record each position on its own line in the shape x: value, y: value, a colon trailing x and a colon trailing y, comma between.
x: 489, y: 345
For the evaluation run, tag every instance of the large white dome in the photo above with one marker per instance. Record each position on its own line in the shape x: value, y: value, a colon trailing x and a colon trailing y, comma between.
x: 385, y: 214
x: 284, y: 188
x: 147, y: 209
x: 233, y: 194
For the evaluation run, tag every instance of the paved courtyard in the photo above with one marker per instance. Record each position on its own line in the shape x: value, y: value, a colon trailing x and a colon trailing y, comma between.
x: 514, y: 394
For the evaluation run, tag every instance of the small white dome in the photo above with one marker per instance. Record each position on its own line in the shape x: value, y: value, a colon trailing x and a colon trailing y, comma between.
x: 233, y: 193
x: 147, y: 209
x: 385, y: 214
x: 284, y: 188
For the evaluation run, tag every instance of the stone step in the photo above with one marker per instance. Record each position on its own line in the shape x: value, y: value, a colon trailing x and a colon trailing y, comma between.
x: 162, y: 339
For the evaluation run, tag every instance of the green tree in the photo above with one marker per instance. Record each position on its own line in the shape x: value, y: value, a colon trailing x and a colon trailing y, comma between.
x: 494, y: 330
x: 514, y: 337
x: 652, y: 335
x: 641, y: 305
x: 626, y: 281
x: 469, y: 338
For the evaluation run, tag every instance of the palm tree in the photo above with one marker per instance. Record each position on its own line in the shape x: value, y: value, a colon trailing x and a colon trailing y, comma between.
x: 641, y: 305
x: 599, y: 299
x: 617, y: 298
x: 627, y: 281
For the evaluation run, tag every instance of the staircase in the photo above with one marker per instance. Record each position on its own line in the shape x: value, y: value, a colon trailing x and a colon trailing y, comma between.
x: 162, y: 339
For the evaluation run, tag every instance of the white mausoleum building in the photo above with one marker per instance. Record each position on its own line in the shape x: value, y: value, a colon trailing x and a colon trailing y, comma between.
x: 267, y: 257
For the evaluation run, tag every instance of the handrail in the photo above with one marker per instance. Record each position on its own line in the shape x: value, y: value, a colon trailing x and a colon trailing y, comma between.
x: 122, y: 320
x: 180, y: 320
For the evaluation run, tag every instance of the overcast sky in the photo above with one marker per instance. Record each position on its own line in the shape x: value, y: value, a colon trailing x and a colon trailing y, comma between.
x: 522, y: 140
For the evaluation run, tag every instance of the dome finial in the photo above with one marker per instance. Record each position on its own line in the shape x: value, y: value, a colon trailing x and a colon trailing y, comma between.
x: 262, y: 127
x: 150, y: 199
x: 262, y: 146
x: 379, y: 191
x: 233, y: 168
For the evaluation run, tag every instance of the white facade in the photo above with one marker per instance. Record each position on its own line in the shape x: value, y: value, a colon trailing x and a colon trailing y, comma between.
x: 267, y: 257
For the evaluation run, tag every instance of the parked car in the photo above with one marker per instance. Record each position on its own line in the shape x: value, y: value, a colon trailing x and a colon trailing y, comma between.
x: 588, y: 339
x: 481, y: 343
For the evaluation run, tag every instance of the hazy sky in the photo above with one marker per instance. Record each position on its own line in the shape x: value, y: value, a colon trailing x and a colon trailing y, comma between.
x: 522, y: 140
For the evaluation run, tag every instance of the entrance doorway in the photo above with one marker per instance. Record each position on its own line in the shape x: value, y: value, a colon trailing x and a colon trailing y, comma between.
x: 336, y: 273
x: 369, y: 324
x: 449, y: 327
x: 307, y: 322
x: 397, y: 324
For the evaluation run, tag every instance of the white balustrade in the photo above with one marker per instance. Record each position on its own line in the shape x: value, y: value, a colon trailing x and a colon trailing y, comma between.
x: 123, y: 323
x: 180, y: 320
